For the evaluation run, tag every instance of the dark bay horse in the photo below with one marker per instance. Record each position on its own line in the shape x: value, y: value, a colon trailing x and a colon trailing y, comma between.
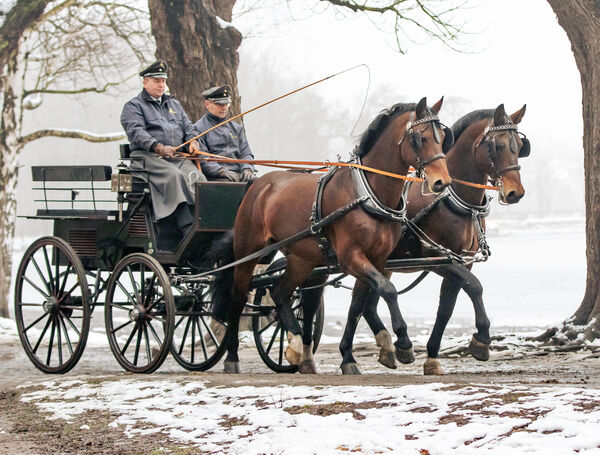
x: 487, y: 147
x: 280, y: 204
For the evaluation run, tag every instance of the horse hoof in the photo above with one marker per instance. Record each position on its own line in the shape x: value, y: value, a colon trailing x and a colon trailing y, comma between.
x: 293, y: 352
x: 307, y: 367
x: 350, y: 368
x: 479, y: 350
x: 231, y: 367
x: 387, y: 359
x: 383, y: 339
x: 405, y: 356
x: 433, y: 367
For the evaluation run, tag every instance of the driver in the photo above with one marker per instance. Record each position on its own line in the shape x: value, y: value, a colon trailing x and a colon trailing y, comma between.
x: 155, y: 124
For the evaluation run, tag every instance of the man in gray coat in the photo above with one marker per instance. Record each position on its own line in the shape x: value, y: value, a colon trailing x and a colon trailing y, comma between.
x: 228, y: 140
x: 155, y: 124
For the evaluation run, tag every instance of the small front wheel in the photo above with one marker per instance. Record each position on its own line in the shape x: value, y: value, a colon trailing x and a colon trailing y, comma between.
x: 139, y: 313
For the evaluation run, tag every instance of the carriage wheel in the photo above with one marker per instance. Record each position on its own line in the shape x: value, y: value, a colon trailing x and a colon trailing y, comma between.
x: 52, y: 306
x: 269, y: 334
x: 139, y: 313
x: 197, y: 340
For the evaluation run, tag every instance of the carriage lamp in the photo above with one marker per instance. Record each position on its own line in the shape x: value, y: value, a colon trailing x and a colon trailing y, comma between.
x: 120, y: 183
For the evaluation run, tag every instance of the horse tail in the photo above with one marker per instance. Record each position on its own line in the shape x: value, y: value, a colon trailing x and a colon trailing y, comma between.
x: 222, y: 249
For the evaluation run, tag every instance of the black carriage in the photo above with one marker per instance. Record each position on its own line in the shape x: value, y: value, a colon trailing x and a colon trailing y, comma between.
x: 109, y: 257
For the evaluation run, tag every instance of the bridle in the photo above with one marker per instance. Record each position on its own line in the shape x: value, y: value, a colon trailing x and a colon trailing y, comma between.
x: 490, y: 142
x: 416, y: 141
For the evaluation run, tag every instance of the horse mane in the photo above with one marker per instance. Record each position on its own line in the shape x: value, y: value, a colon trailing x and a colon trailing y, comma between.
x: 468, y: 119
x: 381, y: 122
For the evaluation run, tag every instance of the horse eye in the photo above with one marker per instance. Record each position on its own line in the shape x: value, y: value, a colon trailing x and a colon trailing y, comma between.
x: 423, y: 139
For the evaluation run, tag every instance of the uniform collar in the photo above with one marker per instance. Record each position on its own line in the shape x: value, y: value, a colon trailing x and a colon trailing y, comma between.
x: 214, y: 119
x: 146, y: 96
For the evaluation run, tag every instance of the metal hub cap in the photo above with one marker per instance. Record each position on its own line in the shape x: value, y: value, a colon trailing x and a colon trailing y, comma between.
x: 50, y: 305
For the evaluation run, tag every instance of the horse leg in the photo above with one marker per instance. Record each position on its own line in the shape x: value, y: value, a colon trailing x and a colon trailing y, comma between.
x: 355, y: 311
x: 455, y: 278
x: 311, y: 300
x: 295, y: 274
x: 382, y: 336
x: 364, y: 270
x: 242, y: 275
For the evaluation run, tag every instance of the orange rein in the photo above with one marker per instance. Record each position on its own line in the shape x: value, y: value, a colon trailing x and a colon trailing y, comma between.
x: 323, y: 166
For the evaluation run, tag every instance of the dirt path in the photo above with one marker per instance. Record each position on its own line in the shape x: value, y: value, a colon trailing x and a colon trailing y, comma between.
x: 24, y: 430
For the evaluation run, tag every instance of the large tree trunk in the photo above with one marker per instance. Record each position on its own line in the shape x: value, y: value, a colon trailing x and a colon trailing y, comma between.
x: 201, y: 50
x: 581, y: 21
x: 9, y: 150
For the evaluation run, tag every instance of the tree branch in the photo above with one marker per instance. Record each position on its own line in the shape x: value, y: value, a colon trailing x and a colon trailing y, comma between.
x: 73, y: 134
x: 77, y: 91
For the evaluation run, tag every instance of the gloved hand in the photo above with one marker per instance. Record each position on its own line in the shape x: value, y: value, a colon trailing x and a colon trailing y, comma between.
x: 194, y: 147
x: 165, y: 151
x: 247, y: 175
x: 227, y: 174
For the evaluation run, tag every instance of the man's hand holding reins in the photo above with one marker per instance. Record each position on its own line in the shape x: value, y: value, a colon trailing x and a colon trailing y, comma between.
x: 164, y: 151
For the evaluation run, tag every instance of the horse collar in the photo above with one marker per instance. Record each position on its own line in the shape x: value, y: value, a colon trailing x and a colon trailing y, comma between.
x: 461, y: 207
x: 371, y: 204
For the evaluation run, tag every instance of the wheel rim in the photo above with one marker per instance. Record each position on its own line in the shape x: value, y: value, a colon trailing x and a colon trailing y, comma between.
x: 52, y: 305
x: 197, y: 338
x: 139, y: 313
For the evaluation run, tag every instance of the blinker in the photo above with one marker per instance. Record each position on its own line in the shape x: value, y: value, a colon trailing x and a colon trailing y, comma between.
x: 513, y: 142
x: 415, y: 140
x: 525, y: 148
x: 436, y: 133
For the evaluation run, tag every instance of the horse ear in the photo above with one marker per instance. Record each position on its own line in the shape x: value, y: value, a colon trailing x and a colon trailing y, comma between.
x: 518, y: 116
x: 437, y: 106
x: 421, y: 108
x: 500, y: 115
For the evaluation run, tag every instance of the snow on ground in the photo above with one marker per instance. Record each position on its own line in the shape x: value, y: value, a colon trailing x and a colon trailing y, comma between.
x: 413, y: 419
x: 8, y: 330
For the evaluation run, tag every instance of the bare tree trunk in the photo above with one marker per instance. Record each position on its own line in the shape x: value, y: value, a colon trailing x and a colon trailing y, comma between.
x: 581, y: 21
x: 201, y: 50
x: 9, y: 150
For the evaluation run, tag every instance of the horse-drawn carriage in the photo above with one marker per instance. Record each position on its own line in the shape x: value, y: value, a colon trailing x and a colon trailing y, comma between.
x: 160, y: 302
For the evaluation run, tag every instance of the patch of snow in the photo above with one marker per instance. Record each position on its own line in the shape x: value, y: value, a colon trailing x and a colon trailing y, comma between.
x: 223, y: 23
x: 32, y: 102
x: 8, y: 330
x: 84, y: 427
x: 443, y: 419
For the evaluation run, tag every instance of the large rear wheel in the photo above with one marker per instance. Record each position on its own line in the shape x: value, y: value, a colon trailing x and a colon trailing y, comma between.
x: 52, y: 305
x: 139, y: 313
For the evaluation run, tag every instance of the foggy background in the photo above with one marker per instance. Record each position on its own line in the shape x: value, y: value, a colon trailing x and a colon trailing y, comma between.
x: 515, y: 53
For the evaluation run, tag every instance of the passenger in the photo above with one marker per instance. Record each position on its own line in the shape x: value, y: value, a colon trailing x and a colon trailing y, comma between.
x: 155, y: 124
x: 228, y: 140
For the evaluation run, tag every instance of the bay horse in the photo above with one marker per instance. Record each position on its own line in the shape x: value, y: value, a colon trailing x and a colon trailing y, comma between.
x: 280, y: 204
x: 487, y: 146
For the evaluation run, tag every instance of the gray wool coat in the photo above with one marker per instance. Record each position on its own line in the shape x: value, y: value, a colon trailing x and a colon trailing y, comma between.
x: 147, y: 123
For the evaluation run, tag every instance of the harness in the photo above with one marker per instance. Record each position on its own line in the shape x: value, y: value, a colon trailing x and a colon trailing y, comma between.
x: 489, y: 140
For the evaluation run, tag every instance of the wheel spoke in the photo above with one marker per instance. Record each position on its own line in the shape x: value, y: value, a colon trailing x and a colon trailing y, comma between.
x: 147, y: 340
x: 113, y: 331
x: 48, y: 357
x: 64, y: 283
x: 193, y: 340
x: 177, y: 324
x: 68, y: 293
x: 50, y: 277
x: 120, y: 306
x: 72, y: 307
x: 154, y: 334
x: 210, y: 332
x: 143, y: 284
x: 157, y: 318
x: 137, y: 347
x: 281, y: 346
x: 66, y: 335
x: 150, y: 294
x: 29, y: 304
x: 267, y: 326
x: 46, y: 296
x: 39, y: 271
x: 59, y: 342
x: 56, y: 266
x: 130, y: 297
x: 185, y: 332
x: 129, y: 340
x: 134, y: 284
x: 37, y: 345
x: 72, y: 325
x: 273, y: 337
x: 202, y: 339
x: 35, y: 322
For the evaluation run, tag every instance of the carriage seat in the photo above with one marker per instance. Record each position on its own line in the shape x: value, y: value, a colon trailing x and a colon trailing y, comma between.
x: 90, y: 174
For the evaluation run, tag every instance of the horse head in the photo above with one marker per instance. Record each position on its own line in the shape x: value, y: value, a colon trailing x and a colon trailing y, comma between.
x: 497, y: 152
x: 422, y: 144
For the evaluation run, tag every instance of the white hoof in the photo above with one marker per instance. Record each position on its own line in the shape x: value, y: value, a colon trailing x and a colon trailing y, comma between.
x: 433, y: 367
x: 293, y: 352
